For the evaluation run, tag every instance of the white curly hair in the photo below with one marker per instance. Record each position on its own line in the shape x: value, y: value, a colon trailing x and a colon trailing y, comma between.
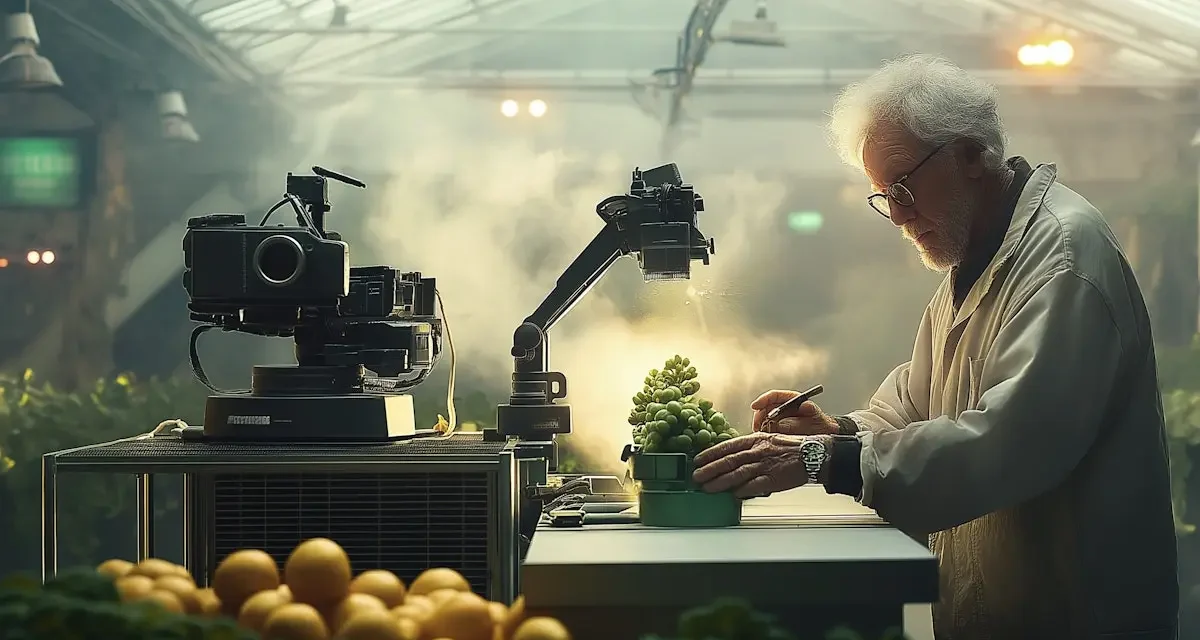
x: 930, y: 97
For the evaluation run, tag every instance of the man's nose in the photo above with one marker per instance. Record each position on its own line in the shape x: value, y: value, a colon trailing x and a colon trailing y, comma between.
x: 900, y: 215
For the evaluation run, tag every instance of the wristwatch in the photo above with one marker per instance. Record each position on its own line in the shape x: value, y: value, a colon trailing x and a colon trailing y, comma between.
x: 813, y: 453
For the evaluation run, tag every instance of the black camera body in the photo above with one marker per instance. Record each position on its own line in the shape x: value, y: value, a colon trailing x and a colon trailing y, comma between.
x: 664, y: 210
x: 354, y: 328
x: 229, y: 265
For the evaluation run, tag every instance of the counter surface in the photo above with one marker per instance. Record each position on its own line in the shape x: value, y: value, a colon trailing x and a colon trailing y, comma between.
x: 802, y: 545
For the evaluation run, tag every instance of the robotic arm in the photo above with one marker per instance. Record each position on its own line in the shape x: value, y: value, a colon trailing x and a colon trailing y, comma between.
x: 656, y: 221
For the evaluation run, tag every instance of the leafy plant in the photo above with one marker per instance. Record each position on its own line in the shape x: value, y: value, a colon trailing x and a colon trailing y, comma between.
x: 1182, y: 410
x: 83, y: 604
x: 735, y: 619
x: 1179, y: 376
x: 36, y: 418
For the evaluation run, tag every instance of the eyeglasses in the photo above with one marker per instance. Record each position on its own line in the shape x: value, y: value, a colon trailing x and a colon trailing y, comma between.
x: 897, y: 191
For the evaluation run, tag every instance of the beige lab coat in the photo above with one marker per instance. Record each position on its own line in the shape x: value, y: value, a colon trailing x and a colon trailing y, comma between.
x: 1026, y: 437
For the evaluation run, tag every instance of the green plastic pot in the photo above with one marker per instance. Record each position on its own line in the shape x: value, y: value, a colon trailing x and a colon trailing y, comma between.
x: 667, y: 497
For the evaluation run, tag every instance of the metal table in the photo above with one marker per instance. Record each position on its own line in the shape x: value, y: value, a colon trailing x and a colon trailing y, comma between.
x: 198, y: 460
x: 812, y: 560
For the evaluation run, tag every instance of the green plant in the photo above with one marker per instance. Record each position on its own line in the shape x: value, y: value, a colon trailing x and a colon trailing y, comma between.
x: 735, y: 619
x: 36, y: 419
x: 1181, y: 408
x: 83, y: 604
x: 1179, y: 377
x: 668, y: 416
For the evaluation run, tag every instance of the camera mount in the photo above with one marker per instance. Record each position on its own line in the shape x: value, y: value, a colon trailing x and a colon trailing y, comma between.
x: 656, y: 222
x: 362, y: 335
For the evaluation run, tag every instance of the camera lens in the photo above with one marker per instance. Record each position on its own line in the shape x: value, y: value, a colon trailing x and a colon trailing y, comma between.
x: 279, y: 260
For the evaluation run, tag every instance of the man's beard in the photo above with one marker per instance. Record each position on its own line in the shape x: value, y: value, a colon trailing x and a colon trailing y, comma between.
x: 945, y: 244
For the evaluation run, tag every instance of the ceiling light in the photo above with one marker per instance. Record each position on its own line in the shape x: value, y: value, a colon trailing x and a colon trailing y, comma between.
x: 22, y: 68
x: 175, y: 123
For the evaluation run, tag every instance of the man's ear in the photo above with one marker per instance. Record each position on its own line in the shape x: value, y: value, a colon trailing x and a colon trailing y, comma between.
x: 970, y: 160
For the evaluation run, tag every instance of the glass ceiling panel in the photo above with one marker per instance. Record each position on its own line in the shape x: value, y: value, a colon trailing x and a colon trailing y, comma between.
x: 297, y: 37
x: 277, y: 35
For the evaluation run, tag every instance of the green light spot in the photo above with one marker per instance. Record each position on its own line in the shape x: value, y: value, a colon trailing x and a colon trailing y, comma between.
x: 805, y: 221
x: 39, y: 172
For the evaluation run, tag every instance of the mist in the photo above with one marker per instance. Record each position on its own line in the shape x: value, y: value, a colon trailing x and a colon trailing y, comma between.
x: 496, y: 213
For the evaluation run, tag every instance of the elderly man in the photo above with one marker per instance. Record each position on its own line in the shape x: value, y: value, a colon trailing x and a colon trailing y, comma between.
x: 1025, y: 437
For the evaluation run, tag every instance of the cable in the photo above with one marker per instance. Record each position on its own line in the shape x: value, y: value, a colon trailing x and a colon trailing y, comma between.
x: 263, y: 222
x: 165, y: 428
x: 447, y: 425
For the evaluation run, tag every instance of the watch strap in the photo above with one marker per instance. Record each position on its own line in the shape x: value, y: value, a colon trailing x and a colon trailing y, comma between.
x: 844, y: 475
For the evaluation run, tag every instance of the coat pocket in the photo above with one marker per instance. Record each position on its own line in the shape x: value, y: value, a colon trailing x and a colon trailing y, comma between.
x: 975, y: 373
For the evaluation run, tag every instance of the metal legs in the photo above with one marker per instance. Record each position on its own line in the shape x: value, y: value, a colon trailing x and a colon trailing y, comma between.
x: 49, y: 517
x: 145, y: 516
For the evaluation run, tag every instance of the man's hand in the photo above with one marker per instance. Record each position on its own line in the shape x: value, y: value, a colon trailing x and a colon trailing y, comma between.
x: 804, y: 420
x: 753, y: 465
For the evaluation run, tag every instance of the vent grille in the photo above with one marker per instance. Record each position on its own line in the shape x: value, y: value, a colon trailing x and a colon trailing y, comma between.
x: 402, y: 522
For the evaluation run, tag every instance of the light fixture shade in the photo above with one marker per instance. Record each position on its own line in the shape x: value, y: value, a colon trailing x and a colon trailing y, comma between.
x: 175, y: 124
x: 170, y: 103
x: 22, y: 67
x: 179, y: 129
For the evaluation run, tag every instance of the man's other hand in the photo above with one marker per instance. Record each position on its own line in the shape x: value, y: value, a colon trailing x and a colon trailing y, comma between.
x: 753, y: 465
x: 804, y: 420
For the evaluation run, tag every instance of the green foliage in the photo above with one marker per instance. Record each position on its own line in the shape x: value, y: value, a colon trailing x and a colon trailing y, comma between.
x: 735, y: 619
x: 669, y: 417
x: 37, y: 418
x: 81, y: 605
x: 1179, y: 377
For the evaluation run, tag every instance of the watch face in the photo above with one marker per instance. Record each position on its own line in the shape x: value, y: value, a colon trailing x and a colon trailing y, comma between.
x: 813, y: 451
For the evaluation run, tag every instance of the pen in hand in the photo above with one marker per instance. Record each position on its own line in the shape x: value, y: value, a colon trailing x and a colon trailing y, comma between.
x: 794, y: 402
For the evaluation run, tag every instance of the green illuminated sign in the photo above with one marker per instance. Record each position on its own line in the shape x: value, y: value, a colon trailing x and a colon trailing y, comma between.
x: 39, y: 172
x: 805, y: 221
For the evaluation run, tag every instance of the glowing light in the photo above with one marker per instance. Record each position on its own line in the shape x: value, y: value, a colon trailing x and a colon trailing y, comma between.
x: 3, y: 262
x: 537, y: 108
x: 33, y: 257
x: 1058, y: 53
x: 1033, y: 55
x: 48, y: 257
x: 509, y: 108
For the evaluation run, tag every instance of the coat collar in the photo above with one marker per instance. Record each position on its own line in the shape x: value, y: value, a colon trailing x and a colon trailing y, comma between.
x: 1027, y: 205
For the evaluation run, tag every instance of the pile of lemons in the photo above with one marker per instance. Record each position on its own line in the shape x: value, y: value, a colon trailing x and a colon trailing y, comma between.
x: 318, y: 598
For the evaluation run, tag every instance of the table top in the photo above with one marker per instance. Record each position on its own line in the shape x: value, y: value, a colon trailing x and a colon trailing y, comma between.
x: 171, y: 453
x: 789, y: 541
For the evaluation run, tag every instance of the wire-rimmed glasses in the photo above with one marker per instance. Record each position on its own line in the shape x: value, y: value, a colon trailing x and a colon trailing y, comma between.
x: 897, y: 191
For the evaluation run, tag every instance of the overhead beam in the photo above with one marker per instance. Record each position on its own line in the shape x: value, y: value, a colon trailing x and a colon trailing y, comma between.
x: 709, y: 78
x: 180, y: 29
x: 1187, y: 34
x: 596, y: 29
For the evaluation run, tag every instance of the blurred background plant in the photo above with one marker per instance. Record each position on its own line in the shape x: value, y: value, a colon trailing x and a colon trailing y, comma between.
x: 1179, y: 377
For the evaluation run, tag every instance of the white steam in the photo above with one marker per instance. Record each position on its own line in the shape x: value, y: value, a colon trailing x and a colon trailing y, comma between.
x: 496, y: 212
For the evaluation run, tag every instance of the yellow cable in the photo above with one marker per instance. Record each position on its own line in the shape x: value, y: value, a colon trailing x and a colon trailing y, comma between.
x: 446, y: 425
